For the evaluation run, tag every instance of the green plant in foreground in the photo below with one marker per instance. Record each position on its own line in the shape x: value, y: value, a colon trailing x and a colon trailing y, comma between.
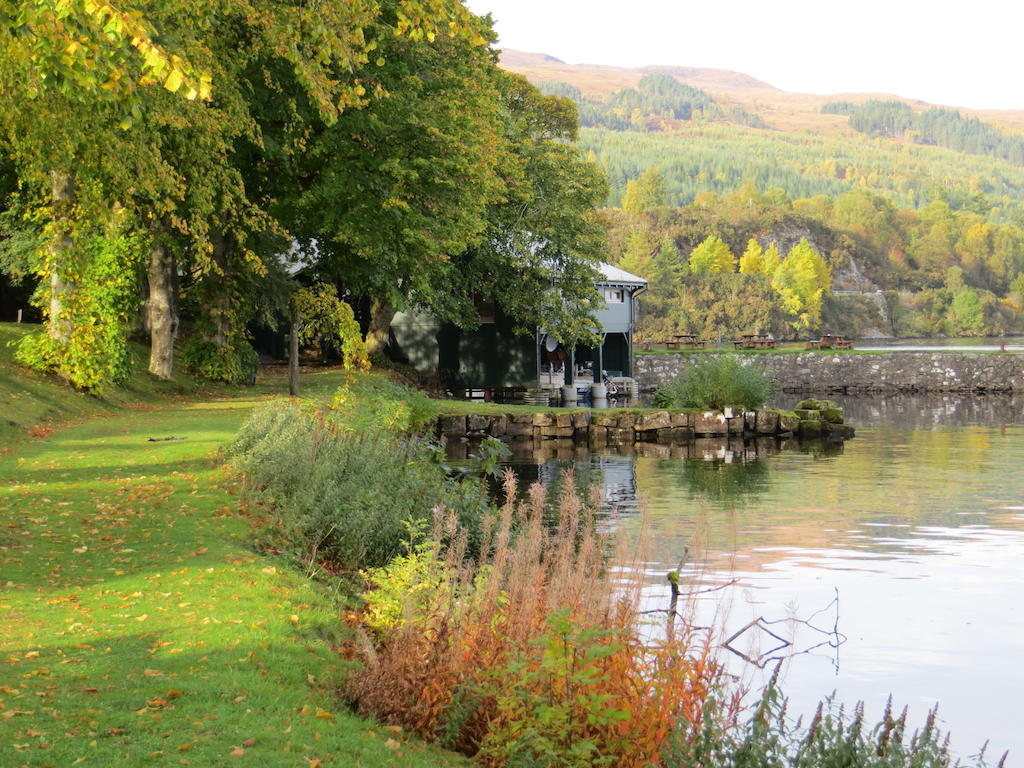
x: 717, y: 382
x: 835, y: 737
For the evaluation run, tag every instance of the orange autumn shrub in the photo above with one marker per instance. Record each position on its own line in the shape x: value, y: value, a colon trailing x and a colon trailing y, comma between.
x: 535, y: 652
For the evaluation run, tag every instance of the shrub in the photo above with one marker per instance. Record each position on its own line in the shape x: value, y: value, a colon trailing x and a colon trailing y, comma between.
x: 345, y: 495
x: 833, y: 737
x: 717, y: 382
x: 533, y: 653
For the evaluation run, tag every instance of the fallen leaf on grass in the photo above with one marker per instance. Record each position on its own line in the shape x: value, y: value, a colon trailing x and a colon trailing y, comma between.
x: 15, y: 712
x: 392, y: 744
x: 237, y: 752
x: 249, y: 743
x: 152, y: 673
x: 323, y: 714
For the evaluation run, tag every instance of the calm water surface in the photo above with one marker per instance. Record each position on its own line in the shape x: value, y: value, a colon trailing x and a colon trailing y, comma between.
x: 908, y: 542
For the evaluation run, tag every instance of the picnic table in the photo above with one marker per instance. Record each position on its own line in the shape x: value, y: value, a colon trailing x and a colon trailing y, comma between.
x: 685, y: 341
x: 755, y: 341
x: 829, y: 341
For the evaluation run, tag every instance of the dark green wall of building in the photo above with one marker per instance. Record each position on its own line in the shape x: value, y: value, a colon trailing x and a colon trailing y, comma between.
x: 490, y: 356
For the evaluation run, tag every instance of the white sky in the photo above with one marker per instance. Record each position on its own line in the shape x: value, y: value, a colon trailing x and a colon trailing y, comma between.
x: 968, y: 53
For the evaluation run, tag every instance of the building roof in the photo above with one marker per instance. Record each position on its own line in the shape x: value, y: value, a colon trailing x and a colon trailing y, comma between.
x: 617, y: 276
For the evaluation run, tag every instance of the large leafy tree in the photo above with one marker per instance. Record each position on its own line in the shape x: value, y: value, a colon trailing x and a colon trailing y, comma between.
x: 89, y: 139
x: 386, y: 194
x: 543, y: 241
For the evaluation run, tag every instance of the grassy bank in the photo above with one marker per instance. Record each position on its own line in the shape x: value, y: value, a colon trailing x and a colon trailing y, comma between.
x: 137, y: 624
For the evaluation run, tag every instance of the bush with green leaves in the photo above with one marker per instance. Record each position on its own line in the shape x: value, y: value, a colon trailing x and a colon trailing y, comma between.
x: 834, y: 738
x: 717, y: 382
x: 345, y: 496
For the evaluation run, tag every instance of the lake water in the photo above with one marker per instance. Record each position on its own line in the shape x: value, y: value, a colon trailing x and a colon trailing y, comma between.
x: 904, y: 549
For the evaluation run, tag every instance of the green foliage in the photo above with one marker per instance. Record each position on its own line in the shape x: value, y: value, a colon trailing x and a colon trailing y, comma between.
x: 343, y: 494
x: 543, y: 231
x: 218, y: 362
x: 833, y: 738
x: 645, y: 193
x: 368, y: 403
x: 966, y: 314
x: 322, y: 316
x: 702, y: 159
x: 98, y: 299
x: 717, y: 382
x: 712, y: 257
x: 936, y: 126
x: 401, y: 589
x: 541, y: 730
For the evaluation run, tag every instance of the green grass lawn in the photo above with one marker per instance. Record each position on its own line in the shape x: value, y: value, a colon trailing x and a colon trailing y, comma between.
x: 137, y: 624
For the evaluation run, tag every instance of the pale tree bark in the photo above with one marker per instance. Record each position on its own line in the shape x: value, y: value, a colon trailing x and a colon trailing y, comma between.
x: 62, y: 190
x: 293, y: 355
x: 161, y: 311
x: 381, y: 315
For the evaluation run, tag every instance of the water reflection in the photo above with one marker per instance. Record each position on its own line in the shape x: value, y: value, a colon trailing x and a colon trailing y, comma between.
x: 925, y: 412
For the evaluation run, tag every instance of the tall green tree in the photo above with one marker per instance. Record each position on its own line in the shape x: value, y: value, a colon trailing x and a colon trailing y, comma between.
x: 543, y: 242
x: 646, y: 192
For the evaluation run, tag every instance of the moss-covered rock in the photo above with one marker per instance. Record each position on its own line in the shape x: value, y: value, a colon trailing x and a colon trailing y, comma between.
x: 832, y: 415
x: 810, y: 427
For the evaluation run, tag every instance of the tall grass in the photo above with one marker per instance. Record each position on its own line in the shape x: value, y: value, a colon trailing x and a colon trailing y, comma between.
x: 533, y: 653
x: 347, y: 496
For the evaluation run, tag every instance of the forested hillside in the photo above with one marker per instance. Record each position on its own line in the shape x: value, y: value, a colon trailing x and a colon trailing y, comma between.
x: 915, y: 213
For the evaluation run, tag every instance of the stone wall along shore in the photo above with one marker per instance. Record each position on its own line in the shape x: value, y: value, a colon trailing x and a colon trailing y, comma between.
x: 853, y: 374
x: 655, y: 426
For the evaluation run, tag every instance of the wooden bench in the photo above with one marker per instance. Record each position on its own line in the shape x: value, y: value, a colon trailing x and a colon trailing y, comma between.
x: 754, y: 341
x: 685, y: 341
x: 829, y: 341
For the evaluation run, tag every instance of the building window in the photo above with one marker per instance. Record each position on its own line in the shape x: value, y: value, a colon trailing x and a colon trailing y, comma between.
x: 614, y: 295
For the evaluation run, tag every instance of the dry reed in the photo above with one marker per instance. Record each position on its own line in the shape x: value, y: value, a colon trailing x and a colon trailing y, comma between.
x: 536, y: 648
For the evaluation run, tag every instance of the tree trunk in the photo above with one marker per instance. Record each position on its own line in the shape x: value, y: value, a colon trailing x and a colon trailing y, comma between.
x: 293, y: 355
x: 381, y: 315
x: 161, y: 311
x: 62, y: 190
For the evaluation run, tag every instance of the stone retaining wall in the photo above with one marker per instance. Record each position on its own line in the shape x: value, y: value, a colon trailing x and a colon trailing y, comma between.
x: 887, y: 372
x: 666, y: 427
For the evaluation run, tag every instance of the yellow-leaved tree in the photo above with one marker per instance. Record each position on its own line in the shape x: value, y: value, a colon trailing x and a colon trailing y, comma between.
x: 802, y: 281
x: 712, y: 257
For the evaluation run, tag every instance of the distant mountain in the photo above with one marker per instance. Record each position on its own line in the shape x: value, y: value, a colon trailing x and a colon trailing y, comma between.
x: 782, y: 110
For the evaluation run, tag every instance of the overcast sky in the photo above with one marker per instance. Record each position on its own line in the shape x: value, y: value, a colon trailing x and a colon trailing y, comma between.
x: 967, y: 53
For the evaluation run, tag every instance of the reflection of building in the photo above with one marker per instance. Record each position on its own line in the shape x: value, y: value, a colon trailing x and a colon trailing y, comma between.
x: 615, y: 474
x: 494, y: 356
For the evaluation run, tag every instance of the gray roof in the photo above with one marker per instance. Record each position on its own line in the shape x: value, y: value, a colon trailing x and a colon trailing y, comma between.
x: 617, y: 276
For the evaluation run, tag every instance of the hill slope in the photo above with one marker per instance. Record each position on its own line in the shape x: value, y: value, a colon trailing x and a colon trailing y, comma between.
x: 783, y: 110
